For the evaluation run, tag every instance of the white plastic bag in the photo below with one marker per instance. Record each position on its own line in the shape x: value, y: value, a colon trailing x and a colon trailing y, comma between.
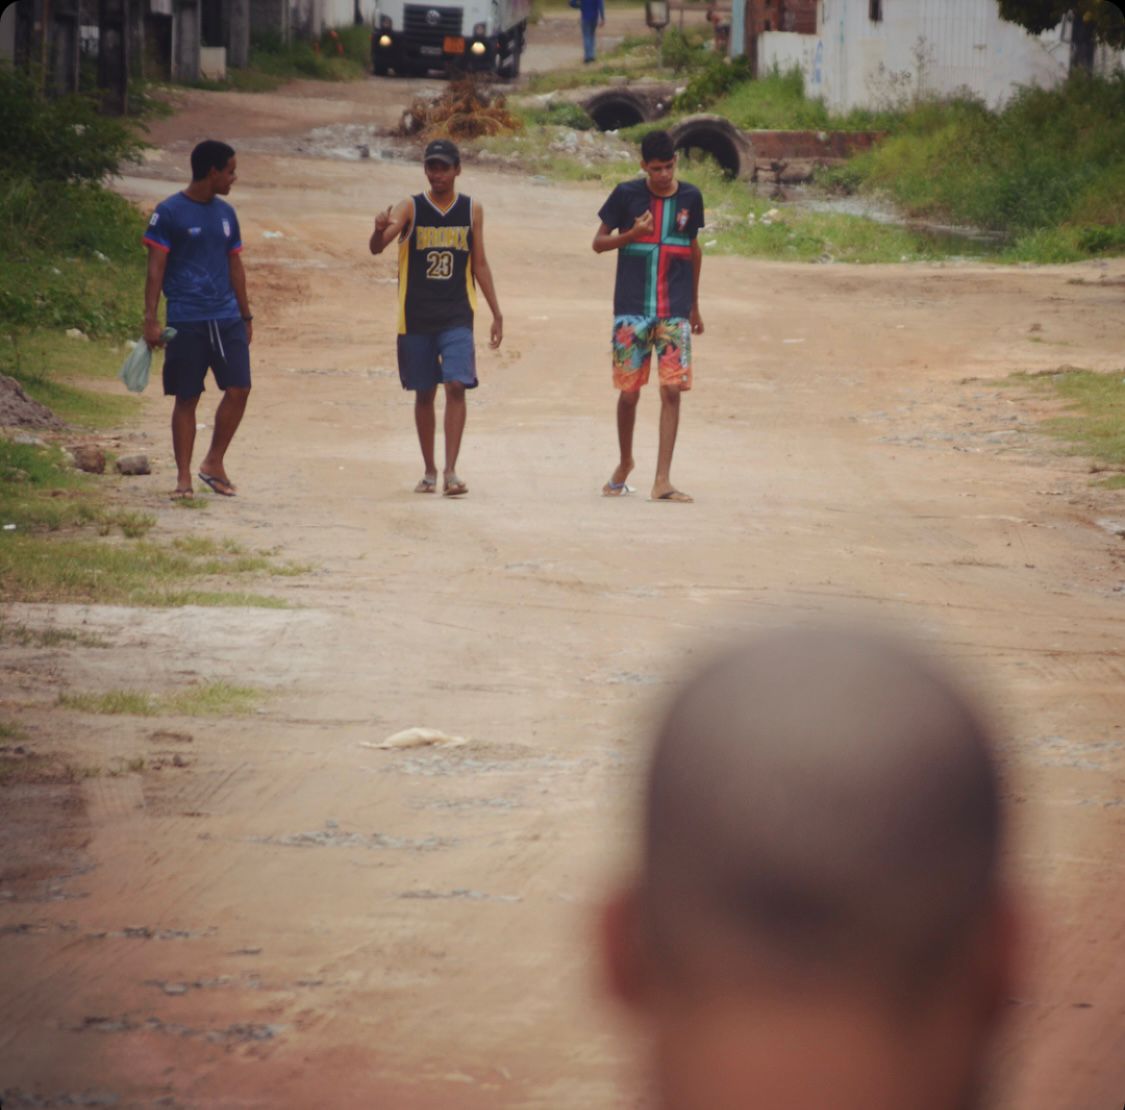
x: 135, y: 369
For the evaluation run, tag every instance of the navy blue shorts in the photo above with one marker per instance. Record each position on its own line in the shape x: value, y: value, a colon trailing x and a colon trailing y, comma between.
x: 427, y: 359
x: 220, y: 346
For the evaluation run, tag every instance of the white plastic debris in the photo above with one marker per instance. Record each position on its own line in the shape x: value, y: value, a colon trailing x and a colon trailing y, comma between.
x: 76, y: 333
x: 416, y: 737
x: 273, y: 235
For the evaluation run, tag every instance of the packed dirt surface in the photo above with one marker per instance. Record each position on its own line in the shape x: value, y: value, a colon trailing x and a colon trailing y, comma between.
x: 275, y: 910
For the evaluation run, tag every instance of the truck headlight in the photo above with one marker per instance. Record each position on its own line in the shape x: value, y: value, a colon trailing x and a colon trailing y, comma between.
x: 384, y: 40
x: 478, y: 48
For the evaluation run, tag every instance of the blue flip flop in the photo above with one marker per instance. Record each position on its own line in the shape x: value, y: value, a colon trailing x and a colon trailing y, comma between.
x: 617, y: 489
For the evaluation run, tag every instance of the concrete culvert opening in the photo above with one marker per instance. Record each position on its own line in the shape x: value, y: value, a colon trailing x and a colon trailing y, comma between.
x: 612, y: 111
x: 719, y: 138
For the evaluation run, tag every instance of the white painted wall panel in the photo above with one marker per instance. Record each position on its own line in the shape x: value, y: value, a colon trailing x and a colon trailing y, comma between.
x: 927, y: 47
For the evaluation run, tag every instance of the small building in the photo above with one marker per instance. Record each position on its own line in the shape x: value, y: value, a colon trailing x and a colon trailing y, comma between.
x: 883, y: 53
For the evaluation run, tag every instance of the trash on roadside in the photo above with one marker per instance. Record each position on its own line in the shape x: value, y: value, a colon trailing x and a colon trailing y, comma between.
x: 417, y: 737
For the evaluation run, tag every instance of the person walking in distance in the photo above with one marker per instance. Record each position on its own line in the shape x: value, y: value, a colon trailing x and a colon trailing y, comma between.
x: 592, y: 16
x: 441, y: 263
x: 195, y: 258
x: 653, y: 223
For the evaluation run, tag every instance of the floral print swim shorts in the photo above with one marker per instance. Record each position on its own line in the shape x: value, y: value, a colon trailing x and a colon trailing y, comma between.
x: 634, y: 340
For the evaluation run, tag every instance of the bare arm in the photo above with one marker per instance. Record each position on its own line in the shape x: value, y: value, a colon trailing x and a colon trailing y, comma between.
x: 482, y: 274
x: 389, y: 225
x: 695, y: 318
x: 154, y: 281
x: 607, y: 240
x: 238, y: 283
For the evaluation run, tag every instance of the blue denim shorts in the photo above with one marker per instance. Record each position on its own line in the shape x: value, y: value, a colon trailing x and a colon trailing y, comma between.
x: 427, y: 359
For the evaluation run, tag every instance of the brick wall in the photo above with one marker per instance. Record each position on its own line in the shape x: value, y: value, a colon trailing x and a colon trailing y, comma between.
x: 781, y: 15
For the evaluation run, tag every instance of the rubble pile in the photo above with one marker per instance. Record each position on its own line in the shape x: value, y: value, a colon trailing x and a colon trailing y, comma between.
x: 466, y: 109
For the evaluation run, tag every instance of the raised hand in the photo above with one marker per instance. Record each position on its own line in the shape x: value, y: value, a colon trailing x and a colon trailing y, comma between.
x: 643, y: 225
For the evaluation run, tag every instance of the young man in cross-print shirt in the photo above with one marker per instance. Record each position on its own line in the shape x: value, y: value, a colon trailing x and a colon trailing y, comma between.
x: 653, y: 223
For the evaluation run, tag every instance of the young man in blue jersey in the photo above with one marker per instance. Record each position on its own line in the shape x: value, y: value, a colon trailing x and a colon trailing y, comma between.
x: 194, y: 257
x: 441, y: 262
x: 653, y: 223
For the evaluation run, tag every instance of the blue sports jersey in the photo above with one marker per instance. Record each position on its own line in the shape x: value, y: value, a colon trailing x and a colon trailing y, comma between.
x: 199, y: 240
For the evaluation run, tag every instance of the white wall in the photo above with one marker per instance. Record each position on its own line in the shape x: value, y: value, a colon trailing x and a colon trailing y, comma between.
x: 8, y: 33
x: 928, y: 46
x: 314, y: 16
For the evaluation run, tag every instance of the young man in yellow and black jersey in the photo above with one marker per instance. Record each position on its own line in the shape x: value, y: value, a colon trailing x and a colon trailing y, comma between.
x: 441, y: 263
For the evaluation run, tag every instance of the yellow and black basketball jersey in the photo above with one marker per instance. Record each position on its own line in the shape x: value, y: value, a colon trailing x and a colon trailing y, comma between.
x: 435, y: 273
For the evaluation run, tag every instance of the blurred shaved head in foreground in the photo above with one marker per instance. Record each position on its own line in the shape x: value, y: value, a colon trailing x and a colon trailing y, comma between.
x: 819, y: 918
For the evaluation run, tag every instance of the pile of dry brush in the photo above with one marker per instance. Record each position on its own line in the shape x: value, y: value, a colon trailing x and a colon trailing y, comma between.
x: 467, y: 109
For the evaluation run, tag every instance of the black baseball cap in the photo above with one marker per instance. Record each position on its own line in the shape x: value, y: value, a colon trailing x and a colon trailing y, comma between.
x: 442, y: 150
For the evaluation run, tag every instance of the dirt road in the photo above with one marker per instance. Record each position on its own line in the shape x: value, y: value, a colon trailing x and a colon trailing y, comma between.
x: 276, y: 913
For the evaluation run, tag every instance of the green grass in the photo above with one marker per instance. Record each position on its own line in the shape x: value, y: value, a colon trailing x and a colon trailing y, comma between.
x: 130, y: 572
x: 634, y: 56
x: 212, y: 699
x: 777, y: 101
x: 70, y: 257
x: 272, y: 63
x: 1048, y: 170
x: 1094, y: 423
x: 40, y: 491
x: 23, y: 636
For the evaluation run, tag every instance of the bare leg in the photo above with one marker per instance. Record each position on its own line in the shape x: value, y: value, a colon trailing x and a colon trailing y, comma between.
x: 425, y: 422
x: 662, y: 488
x: 228, y: 416
x: 626, y: 422
x: 456, y: 411
x: 183, y: 440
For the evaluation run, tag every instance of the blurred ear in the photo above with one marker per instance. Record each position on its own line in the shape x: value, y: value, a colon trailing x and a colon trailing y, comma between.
x: 625, y: 965
x: 999, y: 955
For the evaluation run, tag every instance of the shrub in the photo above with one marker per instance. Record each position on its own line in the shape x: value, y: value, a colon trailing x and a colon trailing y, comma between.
x: 717, y: 77
x: 679, y: 51
x: 59, y: 139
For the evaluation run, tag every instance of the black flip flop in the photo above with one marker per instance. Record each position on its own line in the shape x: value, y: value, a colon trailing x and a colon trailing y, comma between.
x: 215, y: 483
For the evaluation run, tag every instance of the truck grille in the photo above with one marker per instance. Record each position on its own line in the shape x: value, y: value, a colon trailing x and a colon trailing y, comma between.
x: 419, y: 23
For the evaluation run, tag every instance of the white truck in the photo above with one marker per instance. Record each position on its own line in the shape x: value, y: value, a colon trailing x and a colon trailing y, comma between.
x: 481, y: 36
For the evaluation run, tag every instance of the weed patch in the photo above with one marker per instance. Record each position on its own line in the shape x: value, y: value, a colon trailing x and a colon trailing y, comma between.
x: 23, y: 636
x: 212, y: 699
x: 136, y: 572
x: 1094, y: 424
x: 1048, y: 170
x: 338, y: 55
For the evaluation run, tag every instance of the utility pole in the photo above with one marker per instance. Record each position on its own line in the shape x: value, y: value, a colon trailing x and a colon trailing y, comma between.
x: 113, y: 55
x: 238, y: 42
